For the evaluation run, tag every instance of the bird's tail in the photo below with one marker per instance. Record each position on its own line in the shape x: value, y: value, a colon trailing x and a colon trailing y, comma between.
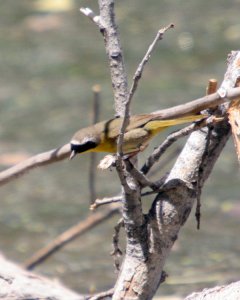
x: 159, y: 125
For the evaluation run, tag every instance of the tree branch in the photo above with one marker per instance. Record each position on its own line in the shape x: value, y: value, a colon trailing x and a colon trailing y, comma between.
x: 138, y: 74
x: 33, y: 162
x: 93, y: 156
x: 19, y: 284
x: 104, y: 201
x: 195, y: 106
x: 114, y: 54
x: 70, y: 235
x: 101, y: 295
x: 223, y: 292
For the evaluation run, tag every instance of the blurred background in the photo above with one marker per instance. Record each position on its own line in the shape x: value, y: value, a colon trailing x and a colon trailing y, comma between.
x: 50, y: 57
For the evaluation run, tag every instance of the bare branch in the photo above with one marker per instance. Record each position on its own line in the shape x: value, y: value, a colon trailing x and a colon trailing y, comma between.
x: 19, y: 284
x: 195, y: 106
x: 33, y: 162
x: 69, y: 235
x: 93, y: 156
x: 138, y: 74
x: 104, y: 201
x: 102, y: 295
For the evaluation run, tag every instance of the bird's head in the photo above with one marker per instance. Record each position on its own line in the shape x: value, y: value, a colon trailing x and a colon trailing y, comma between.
x: 84, y: 140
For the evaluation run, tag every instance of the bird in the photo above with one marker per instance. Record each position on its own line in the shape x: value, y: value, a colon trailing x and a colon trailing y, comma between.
x: 102, y: 136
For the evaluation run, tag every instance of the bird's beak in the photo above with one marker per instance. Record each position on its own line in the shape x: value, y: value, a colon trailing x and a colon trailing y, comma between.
x: 72, y: 155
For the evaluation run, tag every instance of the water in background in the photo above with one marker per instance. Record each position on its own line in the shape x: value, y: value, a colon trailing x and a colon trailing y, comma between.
x: 50, y: 56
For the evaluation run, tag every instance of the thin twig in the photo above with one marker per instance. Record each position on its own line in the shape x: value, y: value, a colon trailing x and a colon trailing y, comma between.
x: 211, y: 88
x: 118, y: 198
x: 93, y: 156
x: 104, y: 201
x: 137, y: 76
x: 69, y: 235
x: 165, y: 161
x: 139, y: 176
x: 116, y: 253
x: 102, y: 295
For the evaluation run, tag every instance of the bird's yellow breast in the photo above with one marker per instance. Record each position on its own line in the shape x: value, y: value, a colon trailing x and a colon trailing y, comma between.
x: 106, y: 145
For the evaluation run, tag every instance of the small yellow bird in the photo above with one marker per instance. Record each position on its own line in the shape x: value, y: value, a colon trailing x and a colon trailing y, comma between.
x: 102, y: 136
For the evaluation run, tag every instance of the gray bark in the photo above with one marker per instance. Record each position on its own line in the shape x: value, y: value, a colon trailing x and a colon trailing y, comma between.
x: 224, y: 292
x: 18, y: 284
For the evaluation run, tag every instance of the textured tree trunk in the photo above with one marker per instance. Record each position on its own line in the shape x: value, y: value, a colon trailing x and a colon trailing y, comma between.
x: 16, y: 284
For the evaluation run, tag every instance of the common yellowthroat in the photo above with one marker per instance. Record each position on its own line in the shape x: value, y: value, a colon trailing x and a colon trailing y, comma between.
x: 102, y: 136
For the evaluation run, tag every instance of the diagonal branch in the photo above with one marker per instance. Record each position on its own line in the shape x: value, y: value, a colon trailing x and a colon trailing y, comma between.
x: 138, y: 74
x: 70, y: 235
x: 33, y: 162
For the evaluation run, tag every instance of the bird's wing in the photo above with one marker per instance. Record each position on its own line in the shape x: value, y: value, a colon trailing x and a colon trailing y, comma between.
x: 148, y: 121
x: 112, y: 127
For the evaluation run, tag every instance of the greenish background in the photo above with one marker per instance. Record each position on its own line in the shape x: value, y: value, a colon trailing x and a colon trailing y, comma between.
x: 50, y: 57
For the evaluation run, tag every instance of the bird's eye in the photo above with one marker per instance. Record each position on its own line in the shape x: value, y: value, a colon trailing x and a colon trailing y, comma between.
x: 79, y: 148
